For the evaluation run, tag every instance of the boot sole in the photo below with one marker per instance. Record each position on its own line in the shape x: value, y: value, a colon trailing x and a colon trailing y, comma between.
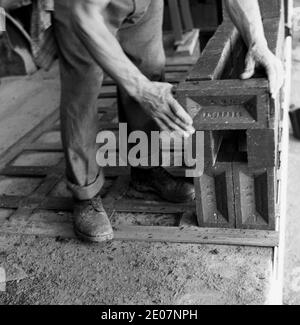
x: 96, y: 239
x: 148, y: 189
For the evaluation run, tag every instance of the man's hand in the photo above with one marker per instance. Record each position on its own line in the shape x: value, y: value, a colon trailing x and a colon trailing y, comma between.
x: 158, y: 101
x: 246, y: 16
x: 260, y: 55
x: 156, y: 98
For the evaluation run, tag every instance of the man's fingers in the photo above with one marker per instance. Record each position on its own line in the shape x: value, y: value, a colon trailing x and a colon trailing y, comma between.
x: 179, y: 111
x: 180, y: 126
x: 269, y: 63
x: 165, y: 127
x: 275, y: 74
x: 262, y: 56
x: 174, y: 127
x: 161, y: 125
x: 280, y: 76
x: 189, y: 128
x: 273, y: 79
x: 249, y: 69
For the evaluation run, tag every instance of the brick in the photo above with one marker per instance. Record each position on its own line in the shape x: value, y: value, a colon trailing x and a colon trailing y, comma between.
x: 226, y: 104
x: 212, y: 144
x: 240, y: 122
x: 257, y: 146
x: 226, y: 50
x: 254, y: 197
x: 261, y: 148
x: 232, y: 195
x: 214, y: 197
x: 216, y: 54
x: 270, y: 8
x: 275, y: 34
x: 239, y: 51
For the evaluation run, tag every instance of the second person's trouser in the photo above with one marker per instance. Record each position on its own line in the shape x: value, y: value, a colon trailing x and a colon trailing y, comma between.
x: 81, y: 79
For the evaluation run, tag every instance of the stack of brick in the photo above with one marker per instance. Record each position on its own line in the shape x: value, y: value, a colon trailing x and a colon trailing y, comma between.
x: 241, y: 125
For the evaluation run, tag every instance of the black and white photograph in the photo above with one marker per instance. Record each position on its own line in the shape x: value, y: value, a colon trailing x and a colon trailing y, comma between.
x: 149, y: 155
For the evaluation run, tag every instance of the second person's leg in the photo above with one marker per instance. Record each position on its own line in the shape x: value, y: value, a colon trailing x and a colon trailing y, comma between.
x: 143, y: 43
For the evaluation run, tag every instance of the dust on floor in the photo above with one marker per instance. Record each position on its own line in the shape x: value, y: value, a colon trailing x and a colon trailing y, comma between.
x: 60, y: 271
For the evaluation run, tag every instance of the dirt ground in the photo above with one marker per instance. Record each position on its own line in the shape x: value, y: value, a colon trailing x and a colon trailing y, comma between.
x: 69, y: 272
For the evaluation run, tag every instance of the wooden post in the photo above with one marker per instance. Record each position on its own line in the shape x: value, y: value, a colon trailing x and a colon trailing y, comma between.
x: 186, y: 15
x: 176, y: 21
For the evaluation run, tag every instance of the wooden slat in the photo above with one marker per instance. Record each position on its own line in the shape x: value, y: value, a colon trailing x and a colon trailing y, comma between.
x: 119, y: 205
x: 18, y: 147
x: 188, y: 235
x: 28, y: 205
x: 172, y: 75
x: 42, y: 171
x: 108, y: 94
x: 49, y: 203
x: 186, y: 14
x: 25, y: 171
x: 176, y: 20
x: 177, y: 68
x: 126, y: 205
x: 44, y: 147
x: 177, y: 60
x: 10, y: 202
x: 198, y: 236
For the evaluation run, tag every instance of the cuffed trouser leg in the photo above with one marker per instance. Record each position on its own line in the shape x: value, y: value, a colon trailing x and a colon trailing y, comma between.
x: 81, y: 79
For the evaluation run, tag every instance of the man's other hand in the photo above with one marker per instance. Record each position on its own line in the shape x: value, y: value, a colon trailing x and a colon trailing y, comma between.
x: 260, y: 55
x: 159, y: 103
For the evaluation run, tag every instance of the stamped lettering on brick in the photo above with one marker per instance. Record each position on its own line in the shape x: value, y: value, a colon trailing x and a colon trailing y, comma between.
x: 222, y: 115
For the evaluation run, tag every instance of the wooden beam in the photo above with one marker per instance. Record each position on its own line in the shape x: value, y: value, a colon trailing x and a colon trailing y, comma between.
x: 176, y: 20
x: 142, y: 206
x: 197, y: 236
x: 187, y: 235
x: 186, y: 15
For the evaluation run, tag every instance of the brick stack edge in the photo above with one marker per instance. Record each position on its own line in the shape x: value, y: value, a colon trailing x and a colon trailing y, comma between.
x: 241, y: 125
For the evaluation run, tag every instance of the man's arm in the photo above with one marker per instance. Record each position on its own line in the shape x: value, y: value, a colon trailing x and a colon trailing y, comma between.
x: 156, y: 98
x: 245, y: 14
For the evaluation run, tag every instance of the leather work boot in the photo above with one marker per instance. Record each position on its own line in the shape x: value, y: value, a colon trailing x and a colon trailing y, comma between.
x: 159, y: 181
x: 91, y: 222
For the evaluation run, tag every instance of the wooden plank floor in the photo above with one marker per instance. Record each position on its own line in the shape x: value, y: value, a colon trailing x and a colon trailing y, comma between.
x: 36, y: 163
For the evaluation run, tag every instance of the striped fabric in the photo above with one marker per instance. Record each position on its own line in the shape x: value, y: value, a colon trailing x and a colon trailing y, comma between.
x: 44, y: 48
x: 2, y: 20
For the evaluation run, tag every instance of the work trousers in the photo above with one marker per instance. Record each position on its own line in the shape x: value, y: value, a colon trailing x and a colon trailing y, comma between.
x: 137, y: 24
